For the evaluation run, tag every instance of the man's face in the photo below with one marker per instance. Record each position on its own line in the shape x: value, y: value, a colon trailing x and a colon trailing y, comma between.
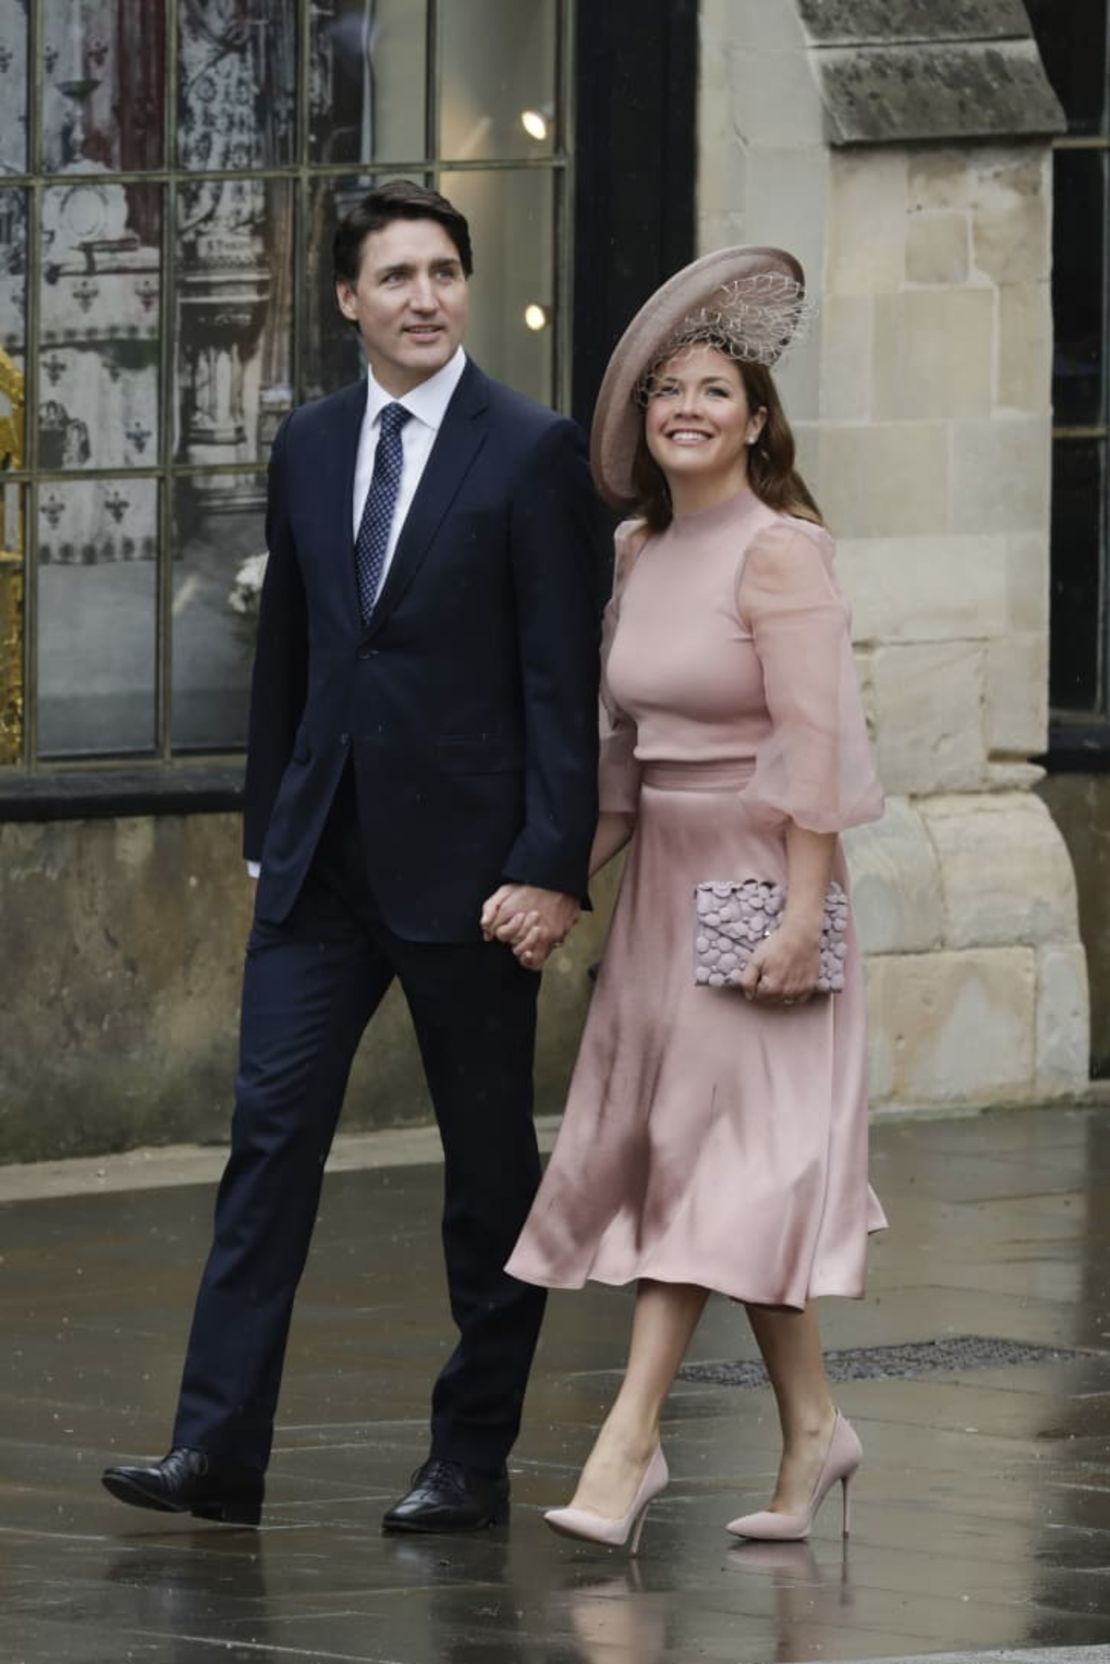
x: 410, y: 301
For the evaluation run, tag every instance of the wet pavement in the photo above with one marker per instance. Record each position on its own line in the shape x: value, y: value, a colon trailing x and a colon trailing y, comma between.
x: 981, y: 1517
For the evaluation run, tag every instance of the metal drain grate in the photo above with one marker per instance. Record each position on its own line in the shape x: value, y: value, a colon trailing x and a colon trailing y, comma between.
x: 892, y: 1363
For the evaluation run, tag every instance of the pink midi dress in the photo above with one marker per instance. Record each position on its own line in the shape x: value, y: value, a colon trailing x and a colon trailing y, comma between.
x: 708, y: 1139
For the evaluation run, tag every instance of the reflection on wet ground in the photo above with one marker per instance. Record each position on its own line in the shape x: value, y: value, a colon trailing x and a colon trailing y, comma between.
x: 982, y: 1515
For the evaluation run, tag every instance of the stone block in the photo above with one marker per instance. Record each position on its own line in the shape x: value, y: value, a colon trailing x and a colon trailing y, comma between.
x: 896, y: 893
x: 938, y: 177
x: 720, y: 231
x: 775, y: 98
x: 1024, y: 370
x: 1011, y: 226
x: 953, y: 1027
x: 1016, y: 696
x: 887, y: 479
x: 937, y: 248
x: 928, y: 717
x: 721, y: 156
x: 787, y: 198
x: 1063, y: 1020
x: 798, y: 378
x: 926, y: 588
x: 1005, y: 871
x: 865, y: 670
x: 888, y: 95
x: 1001, y: 473
x: 867, y: 222
x: 934, y: 353
x: 843, y: 22
x: 847, y: 335
x: 1027, y: 580
x: 744, y: 22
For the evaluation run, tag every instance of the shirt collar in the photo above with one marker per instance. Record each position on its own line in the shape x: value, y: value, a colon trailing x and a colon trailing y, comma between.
x: 428, y: 402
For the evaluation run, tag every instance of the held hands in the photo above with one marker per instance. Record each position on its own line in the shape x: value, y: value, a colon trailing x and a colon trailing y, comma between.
x: 785, y: 966
x: 529, y: 920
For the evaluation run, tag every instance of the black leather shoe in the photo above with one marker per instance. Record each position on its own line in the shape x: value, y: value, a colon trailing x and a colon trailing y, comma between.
x: 445, y: 1496
x: 191, y: 1482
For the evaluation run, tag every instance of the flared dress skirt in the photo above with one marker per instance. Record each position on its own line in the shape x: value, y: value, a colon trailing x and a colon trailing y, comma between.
x: 707, y: 1139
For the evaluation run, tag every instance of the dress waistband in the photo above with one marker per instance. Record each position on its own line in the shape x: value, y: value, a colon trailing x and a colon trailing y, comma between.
x: 725, y: 775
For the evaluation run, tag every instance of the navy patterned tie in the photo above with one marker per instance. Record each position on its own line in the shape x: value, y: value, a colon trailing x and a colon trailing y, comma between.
x: 377, y: 514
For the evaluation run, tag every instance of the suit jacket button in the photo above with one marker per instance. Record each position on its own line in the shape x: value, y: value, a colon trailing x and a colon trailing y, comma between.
x: 344, y: 739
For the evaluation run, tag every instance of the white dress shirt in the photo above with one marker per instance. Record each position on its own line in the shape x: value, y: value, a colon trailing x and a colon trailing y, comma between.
x: 428, y: 406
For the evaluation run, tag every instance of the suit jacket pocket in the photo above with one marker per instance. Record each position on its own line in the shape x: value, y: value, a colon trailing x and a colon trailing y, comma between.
x: 478, y: 754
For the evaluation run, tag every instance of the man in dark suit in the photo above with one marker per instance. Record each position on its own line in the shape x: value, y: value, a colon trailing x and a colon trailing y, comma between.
x: 422, y: 747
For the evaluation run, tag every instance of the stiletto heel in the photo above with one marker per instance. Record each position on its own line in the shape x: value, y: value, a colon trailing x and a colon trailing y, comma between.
x: 637, y: 1532
x: 595, y: 1528
x: 846, y: 1510
x: 842, y: 1460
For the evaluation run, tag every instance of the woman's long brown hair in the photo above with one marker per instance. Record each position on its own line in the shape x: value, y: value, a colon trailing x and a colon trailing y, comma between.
x: 771, y: 471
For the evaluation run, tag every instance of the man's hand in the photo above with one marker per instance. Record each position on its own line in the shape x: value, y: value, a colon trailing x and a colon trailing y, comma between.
x: 529, y: 920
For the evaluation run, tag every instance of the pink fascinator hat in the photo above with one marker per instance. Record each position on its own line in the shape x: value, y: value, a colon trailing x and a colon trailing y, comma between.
x: 750, y: 302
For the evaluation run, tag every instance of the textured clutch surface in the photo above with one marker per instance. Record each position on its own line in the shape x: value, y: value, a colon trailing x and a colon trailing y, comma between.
x: 732, y: 918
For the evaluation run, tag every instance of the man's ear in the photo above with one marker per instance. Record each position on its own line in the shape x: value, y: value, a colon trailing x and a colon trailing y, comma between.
x: 345, y: 298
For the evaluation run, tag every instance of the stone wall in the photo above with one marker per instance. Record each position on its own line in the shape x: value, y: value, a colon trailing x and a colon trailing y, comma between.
x: 123, y: 944
x: 922, y: 406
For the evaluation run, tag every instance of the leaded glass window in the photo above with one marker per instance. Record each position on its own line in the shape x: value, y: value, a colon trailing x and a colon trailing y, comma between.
x: 170, y: 177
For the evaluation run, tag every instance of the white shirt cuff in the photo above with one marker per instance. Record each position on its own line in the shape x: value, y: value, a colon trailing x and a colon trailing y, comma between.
x: 254, y: 868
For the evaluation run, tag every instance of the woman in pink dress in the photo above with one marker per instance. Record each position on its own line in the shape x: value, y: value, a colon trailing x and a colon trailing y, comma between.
x: 715, y: 1138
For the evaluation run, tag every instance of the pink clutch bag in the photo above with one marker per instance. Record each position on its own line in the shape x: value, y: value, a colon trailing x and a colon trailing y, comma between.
x: 733, y: 918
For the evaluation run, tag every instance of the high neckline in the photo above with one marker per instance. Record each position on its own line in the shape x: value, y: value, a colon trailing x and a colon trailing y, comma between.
x: 730, y: 508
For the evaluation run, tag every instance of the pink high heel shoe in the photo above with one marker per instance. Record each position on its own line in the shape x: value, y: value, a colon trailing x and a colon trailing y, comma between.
x: 595, y: 1528
x: 842, y: 1458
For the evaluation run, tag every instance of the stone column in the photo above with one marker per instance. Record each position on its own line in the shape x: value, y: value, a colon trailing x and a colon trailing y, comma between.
x: 903, y: 153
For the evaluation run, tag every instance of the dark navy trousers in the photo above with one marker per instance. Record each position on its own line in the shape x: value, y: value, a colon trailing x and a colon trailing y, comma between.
x: 310, y: 986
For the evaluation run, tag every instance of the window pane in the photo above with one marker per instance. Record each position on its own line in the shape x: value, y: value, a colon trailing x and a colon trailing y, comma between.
x: 235, y: 308
x: 13, y: 86
x: 237, y: 83
x: 12, y: 507
x: 101, y: 313
x: 97, y: 609
x: 368, y: 74
x: 1077, y: 560
x: 13, y: 312
x: 331, y: 352
x: 102, y: 84
x: 512, y: 227
x: 1072, y: 39
x: 1078, y: 284
x: 497, y: 78
x: 219, y: 550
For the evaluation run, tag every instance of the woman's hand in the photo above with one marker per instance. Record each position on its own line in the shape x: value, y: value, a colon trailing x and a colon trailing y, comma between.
x: 785, y: 966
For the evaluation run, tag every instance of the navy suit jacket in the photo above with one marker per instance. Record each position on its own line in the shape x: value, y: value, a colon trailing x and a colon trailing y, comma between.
x: 468, y: 705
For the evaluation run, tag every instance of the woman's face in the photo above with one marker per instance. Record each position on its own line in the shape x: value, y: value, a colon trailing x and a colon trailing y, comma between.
x: 697, y: 421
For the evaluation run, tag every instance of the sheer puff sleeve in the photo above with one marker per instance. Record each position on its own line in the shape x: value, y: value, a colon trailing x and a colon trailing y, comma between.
x: 815, y: 767
x: 618, y: 771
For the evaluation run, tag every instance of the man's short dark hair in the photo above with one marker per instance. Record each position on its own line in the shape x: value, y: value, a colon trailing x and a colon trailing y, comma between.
x: 397, y: 199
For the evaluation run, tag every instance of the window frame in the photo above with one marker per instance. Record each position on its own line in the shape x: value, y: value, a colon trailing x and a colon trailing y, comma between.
x: 1079, y: 740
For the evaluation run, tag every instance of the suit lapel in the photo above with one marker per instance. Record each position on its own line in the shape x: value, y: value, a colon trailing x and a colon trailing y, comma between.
x: 457, y: 443
x: 337, y: 473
